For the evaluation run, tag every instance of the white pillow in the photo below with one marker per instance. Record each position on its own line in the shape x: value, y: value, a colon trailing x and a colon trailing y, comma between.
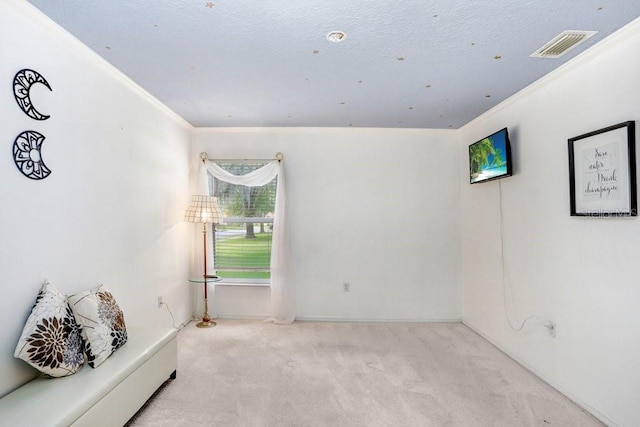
x: 102, y: 321
x: 51, y: 340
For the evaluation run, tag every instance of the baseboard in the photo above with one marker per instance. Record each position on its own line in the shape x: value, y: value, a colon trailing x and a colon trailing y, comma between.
x: 371, y: 320
x: 340, y: 319
x: 584, y: 405
x: 240, y: 317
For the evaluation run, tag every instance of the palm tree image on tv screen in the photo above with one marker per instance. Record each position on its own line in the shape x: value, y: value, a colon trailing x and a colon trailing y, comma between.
x: 489, y: 158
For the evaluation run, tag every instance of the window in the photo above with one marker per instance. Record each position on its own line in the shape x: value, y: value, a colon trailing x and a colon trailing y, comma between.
x: 242, y: 244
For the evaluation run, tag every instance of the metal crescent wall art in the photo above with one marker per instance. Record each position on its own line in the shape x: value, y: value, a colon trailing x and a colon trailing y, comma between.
x: 28, y: 156
x: 22, y: 83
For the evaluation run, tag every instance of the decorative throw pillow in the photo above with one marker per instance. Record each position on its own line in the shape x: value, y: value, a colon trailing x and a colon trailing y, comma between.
x: 102, y: 322
x: 51, y: 340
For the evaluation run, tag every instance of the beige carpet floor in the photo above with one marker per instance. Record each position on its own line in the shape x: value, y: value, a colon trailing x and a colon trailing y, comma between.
x: 249, y: 373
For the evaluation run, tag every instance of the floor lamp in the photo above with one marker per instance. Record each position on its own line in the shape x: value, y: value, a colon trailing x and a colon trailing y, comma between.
x: 204, y: 210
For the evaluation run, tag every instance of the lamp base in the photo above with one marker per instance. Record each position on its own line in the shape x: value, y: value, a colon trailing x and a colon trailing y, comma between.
x: 205, y: 324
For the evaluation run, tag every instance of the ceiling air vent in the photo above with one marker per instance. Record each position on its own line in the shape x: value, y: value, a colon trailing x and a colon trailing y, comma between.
x: 562, y: 43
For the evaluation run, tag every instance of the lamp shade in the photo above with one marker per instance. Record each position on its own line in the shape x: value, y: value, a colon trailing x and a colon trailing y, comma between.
x: 204, y: 210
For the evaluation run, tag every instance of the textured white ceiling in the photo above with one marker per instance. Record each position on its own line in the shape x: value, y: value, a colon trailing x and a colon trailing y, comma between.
x: 409, y: 63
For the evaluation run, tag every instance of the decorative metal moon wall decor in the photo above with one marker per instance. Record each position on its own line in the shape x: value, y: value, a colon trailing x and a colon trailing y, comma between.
x: 27, y: 146
x: 22, y: 83
x: 28, y: 156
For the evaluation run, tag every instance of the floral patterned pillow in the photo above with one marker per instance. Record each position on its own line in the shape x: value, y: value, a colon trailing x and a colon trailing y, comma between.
x: 51, y: 340
x: 102, y: 321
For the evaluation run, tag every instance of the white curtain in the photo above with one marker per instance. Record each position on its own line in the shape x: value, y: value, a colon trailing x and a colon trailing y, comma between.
x: 282, y: 309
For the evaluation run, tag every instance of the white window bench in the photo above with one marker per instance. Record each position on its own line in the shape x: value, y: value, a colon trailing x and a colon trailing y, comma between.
x: 106, y: 396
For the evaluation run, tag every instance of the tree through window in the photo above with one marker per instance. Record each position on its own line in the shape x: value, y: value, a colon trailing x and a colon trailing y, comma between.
x: 242, y: 244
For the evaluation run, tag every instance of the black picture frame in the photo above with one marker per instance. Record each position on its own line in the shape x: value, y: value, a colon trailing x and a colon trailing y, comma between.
x: 602, y: 172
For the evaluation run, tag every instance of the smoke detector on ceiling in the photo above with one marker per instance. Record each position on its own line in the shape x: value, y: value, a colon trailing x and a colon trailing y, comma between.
x: 562, y: 43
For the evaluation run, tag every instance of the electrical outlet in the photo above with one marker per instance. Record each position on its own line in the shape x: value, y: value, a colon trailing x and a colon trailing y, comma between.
x: 551, y: 328
x: 160, y: 301
x: 346, y: 287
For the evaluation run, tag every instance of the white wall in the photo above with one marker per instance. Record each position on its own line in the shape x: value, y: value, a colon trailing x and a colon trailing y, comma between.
x: 378, y: 208
x: 110, y: 212
x: 581, y: 273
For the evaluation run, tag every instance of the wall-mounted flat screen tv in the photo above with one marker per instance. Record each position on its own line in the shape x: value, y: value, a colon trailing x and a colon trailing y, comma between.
x: 490, y: 158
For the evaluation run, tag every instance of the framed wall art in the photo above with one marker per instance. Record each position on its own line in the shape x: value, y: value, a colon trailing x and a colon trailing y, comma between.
x: 602, y: 172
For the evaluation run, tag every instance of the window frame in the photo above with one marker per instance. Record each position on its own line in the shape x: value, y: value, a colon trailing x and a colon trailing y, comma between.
x: 261, y: 282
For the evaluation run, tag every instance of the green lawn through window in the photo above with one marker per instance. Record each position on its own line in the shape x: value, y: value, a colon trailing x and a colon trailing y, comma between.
x: 237, y: 257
